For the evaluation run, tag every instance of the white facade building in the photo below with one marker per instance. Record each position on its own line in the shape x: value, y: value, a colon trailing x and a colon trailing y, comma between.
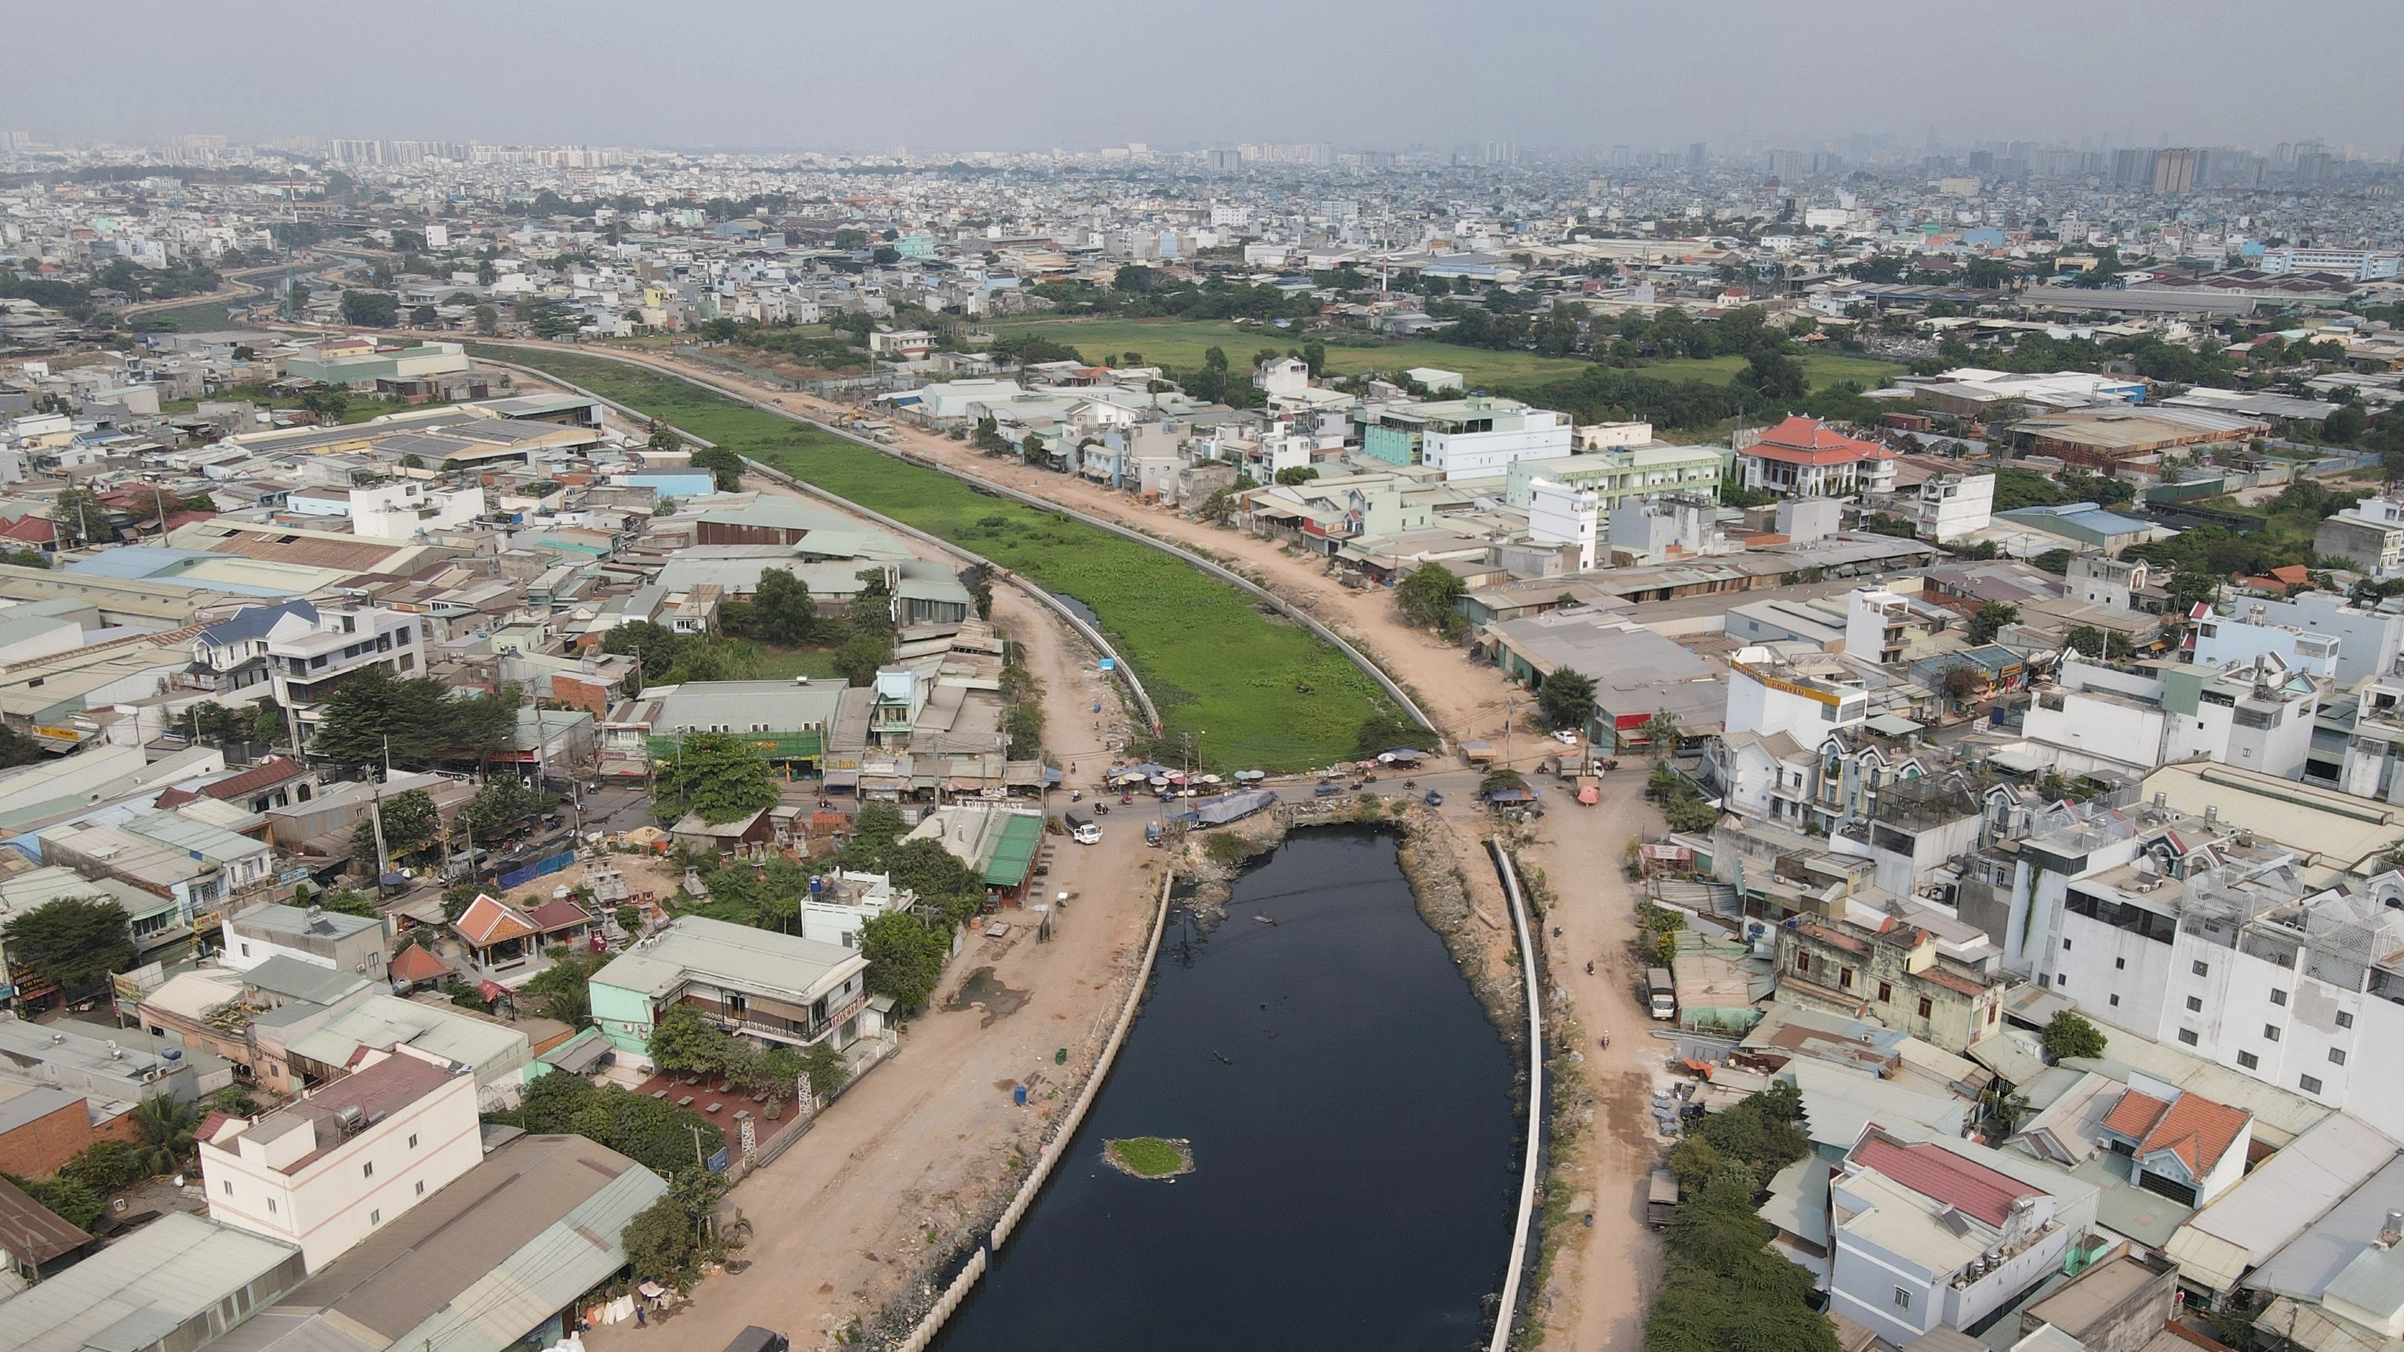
x: 326, y: 1171
x: 402, y: 511
x: 2094, y: 718
x: 1944, y: 1232
x: 1558, y: 514
x: 2317, y: 631
x: 1956, y: 505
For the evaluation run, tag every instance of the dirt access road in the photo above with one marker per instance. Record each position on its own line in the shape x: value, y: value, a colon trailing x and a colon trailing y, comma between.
x: 1602, y: 1275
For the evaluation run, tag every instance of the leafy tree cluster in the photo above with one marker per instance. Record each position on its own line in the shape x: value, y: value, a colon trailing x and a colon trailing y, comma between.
x: 74, y: 941
x: 683, y: 1043
x: 824, y: 353
x: 1429, y: 597
x: 1033, y: 349
x: 780, y: 611
x: 417, y: 720
x: 652, y: 1132
x: 1566, y: 699
x: 2068, y: 1035
x: 725, y: 467
x: 410, y: 825
x: 371, y: 309
x: 717, y: 775
x: 1724, y: 1290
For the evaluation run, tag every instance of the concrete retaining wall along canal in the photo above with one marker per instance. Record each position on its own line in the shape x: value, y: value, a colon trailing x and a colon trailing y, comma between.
x: 1119, y: 665
x: 1228, y: 575
x: 932, y: 1322
x: 1523, y: 1231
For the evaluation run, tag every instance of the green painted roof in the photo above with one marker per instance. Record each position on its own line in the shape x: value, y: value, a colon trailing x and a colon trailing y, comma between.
x: 1014, y: 853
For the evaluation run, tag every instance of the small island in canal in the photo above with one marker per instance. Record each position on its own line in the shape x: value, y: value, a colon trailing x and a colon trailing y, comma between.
x: 1150, y: 1156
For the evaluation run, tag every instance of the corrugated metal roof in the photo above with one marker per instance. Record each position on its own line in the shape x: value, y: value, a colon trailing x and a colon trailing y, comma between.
x: 1014, y: 853
x: 478, y: 1265
x: 169, y: 1270
x: 2328, y: 1239
x: 2282, y: 1198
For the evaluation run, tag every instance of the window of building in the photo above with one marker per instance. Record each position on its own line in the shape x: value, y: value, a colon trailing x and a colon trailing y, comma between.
x: 229, y: 1187
x: 2120, y: 964
x: 2270, y: 1032
x: 1844, y: 979
x: 2337, y: 1056
x: 376, y: 1217
x: 2115, y: 1002
x: 1886, y: 992
x: 2202, y: 968
x: 1903, y: 1299
x: 1927, y: 1007
x: 246, y: 950
x: 2187, y: 1035
x: 1802, y: 961
x: 2195, y: 1004
x: 2278, y: 997
x: 413, y: 1140
x: 2308, y: 1084
x: 271, y: 1206
x: 2344, y: 1020
x: 368, y: 1170
x: 2248, y: 1061
x: 2065, y: 945
x: 421, y: 1187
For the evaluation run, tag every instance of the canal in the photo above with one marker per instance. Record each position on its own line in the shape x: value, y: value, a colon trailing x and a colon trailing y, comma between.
x: 1349, y: 1105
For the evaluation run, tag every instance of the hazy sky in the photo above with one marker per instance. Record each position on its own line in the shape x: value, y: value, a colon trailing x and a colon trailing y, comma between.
x: 953, y: 74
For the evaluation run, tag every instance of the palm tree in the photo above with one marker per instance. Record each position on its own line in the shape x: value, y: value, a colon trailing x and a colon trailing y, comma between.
x: 163, y: 1128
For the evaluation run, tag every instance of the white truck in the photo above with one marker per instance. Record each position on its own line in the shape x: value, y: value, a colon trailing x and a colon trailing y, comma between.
x: 1082, y: 830
x: 1661, y: 992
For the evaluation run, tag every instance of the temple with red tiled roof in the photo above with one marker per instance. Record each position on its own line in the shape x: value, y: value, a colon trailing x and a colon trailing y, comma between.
x: 1806, y: 458
x: 504, y: 935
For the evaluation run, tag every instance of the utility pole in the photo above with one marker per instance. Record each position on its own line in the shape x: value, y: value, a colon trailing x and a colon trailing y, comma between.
x: 375, y: 814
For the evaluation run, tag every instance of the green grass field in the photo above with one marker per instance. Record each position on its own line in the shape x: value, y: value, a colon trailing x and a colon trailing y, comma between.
x: 1821, y: 368
x: 1181, y: 343
x: 1254, y: 690
x: 213, y: 316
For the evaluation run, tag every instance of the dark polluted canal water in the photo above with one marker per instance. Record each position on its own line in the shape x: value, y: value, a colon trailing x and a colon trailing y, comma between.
x: 1349, y: 1105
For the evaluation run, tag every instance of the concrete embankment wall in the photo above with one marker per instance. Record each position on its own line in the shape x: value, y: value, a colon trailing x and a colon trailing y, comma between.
x: 1523, y: 1229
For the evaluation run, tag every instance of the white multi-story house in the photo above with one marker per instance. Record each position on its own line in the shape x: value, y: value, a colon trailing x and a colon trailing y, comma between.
x: 406, y: 510
x: 2318, y: 632
x: 2370, y: 534
x: 2215, y: 946
x: 309, y: 656
x: 1467, y: 438
x: 1561, y: 515
x: 1956, y: 505
x: 2094, y: 718
x: 231, y: 654
x: 326, y: 1171
x: 1944, y: 1232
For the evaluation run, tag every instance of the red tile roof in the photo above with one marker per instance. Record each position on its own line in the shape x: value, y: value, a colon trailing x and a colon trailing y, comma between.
x: 559, y: 915
x: 1808, y: 441
x: 265, y: 775
x: 2135, y: 1114
x: 489, y: 920
x: 2195, y: 1129
x: 415, y: 964
x: 39, y: 530
x: 1937, y: 1173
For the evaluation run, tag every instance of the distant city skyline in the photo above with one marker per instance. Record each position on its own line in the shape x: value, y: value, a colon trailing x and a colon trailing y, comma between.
x: 1544, y: 74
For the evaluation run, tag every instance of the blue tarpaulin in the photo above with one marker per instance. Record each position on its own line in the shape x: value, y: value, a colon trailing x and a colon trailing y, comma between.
x: 537, y: 869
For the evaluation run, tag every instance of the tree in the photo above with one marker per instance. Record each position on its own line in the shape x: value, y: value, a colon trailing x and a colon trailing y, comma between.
x: 1662, y: 733
x: 2344, y: 424
x: 654, y: 647
x: 1297, y: 474
x: 720, y: 776
x: 74, y: 941
x: 1772, y: 377
x: 988, y: 436
x: 423, y: 317
x: 1990, y: 621
x: 502, y: 803
x: 1429, y: 598
x: 861, y: 655
x: 65, y: 1198
x: 410, y: 825
x: 905, y: 958
x: 163, y: 1128
x: 488, y: 321
x: 725, y: 467
x: 825, y: 1069
x: 2068, y: 1035
x: 682, y: 1043
x: 371, y: 309
x: 565, y: 985
x: 781, y: 609
x: 80, y: 517
x: 1566, y: 699
x: 978, y: 578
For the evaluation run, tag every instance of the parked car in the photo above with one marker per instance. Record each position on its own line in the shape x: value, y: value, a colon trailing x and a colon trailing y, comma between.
x: 1434, y: 799
x: 1565, y: 737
